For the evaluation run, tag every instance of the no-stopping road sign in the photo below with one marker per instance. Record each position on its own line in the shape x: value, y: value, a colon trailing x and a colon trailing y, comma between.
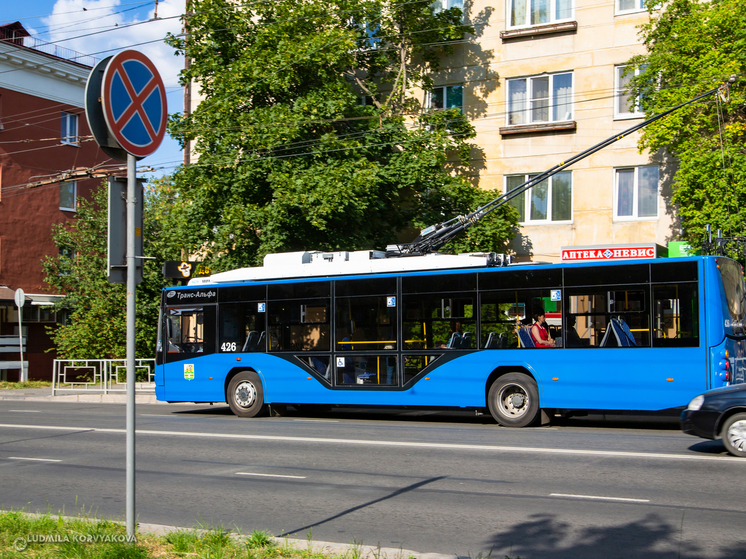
x: 133, y: 99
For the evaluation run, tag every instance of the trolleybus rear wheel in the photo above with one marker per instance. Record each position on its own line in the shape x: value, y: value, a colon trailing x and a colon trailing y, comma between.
x: 734, y: 434
x: 245, y: 395
x: 514, y: 400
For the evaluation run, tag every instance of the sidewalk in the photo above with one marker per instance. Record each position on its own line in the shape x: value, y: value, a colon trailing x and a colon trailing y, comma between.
x: 89, y: 396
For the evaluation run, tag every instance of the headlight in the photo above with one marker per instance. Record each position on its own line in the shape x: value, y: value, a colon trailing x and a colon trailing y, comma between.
x: 696, y: 403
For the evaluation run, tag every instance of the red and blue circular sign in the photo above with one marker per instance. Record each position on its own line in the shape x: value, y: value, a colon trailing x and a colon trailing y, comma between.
x: 134, y: 103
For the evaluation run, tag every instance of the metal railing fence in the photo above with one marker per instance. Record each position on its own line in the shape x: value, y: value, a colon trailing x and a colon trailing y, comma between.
x: 101, y: 375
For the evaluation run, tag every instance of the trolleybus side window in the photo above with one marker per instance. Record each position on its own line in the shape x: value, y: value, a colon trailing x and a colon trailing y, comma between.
x: 675, y: 315
x: 366, y: 332
x: 439, y: 321
x: 190, y: 330
x: 502, y: 313
x: 367, y: 369
x: 365, y: 323
x: 241, y: 328
x: 299, y: 325
x: 520, y: 279
x: 299, y: 316
x: 608, y: 275
x: 609, y: 316
x: 734, y: 306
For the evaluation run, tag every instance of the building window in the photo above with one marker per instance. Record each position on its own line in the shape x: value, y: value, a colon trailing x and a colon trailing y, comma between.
x: 629, y: 6
x: 69, y: 130
x: 538, y: 12
x: 441, y: 5
x: 548, y: 201
x: 625, y: 105
x: 636, y: 192
x: 68, y: 192
x: 546, y: 98
x: 446, y: 97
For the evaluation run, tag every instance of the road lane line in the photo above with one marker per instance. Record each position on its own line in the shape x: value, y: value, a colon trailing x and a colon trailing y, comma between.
x: 596, y: 497
x: 411, y: 444
x: 317, y: 420
x: 25, y: 411
x: 268, y: 475
x: 34, y: 459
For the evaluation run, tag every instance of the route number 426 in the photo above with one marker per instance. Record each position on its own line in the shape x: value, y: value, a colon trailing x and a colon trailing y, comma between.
x: 228, y: 346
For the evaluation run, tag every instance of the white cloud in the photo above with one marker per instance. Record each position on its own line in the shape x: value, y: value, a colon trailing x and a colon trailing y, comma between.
x: 105, y: 27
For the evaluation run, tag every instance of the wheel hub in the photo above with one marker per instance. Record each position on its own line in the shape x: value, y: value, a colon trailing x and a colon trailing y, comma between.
x: 737, y: 435
x: 517, y: 400
x: 245, y: 394
x: 513, y: 400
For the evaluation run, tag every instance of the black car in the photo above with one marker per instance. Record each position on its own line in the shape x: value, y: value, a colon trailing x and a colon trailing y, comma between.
x: 719, y: 413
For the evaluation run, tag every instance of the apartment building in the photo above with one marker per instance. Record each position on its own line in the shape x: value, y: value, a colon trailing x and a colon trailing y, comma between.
x: 542, y: 80
x: 43, y: 132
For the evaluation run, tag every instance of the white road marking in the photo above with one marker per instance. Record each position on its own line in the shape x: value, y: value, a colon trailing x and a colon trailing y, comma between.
x: 34, y: 459
x: 25, y: 411
x: 317, y: 420
x: 600, y: 498
x: 268, y: 475
x: 412, y: 444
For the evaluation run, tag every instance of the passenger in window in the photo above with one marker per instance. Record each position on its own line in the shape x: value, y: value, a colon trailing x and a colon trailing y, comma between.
x: 571, y: 337
x: 539, y: 332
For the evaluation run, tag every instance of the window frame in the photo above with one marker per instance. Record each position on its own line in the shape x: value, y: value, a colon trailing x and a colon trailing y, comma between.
x: 619, y: 92
x: 68, y: 136
x: 74, y: 207
x: 619, y: 11
x: 444, y: 89
x: 528, y: 109
x: 527, y: 199
x: 635, y: 194
x: 437, y: 5
x: 552, y: 14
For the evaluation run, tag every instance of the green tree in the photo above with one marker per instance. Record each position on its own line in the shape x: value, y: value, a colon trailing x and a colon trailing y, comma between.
x: 96, y: 309
x: 692, y: 46
x: 289, y: 156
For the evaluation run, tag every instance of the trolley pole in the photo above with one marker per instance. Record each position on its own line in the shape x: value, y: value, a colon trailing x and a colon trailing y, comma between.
x: 131, y: 286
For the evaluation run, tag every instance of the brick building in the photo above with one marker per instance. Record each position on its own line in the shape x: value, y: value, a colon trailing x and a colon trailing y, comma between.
x: 43, y: 132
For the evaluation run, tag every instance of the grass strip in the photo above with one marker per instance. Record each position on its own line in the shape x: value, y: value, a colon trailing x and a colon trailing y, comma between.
x: 48, y: 536
x: 6, y: 385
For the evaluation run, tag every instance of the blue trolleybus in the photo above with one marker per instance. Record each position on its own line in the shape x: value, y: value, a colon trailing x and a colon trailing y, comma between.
x: 360, y: 329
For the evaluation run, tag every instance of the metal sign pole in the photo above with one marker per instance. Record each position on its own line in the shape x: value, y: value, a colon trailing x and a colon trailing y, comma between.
x: 20, y: 297
x: 131, y: 285
x: 117, y: 117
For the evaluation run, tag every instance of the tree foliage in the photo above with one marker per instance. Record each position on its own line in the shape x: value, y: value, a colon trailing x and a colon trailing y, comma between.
x: 95, y: 327
x: 289, y: 156
x: 692, y: 46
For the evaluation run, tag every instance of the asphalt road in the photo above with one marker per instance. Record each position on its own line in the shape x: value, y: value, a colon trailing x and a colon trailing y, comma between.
x: 446, y: 483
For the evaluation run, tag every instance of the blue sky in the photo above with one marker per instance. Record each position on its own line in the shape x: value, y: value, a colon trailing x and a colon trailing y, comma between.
x: 105, y: 27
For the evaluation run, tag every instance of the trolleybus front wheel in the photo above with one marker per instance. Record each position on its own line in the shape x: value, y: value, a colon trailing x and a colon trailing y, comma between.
x: 734, y: 434
x: 514, y: 400
x: 245, y: 395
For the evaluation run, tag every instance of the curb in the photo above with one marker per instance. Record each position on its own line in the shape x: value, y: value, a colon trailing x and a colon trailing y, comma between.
x: 86, y: 398
x: 359, y: 551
